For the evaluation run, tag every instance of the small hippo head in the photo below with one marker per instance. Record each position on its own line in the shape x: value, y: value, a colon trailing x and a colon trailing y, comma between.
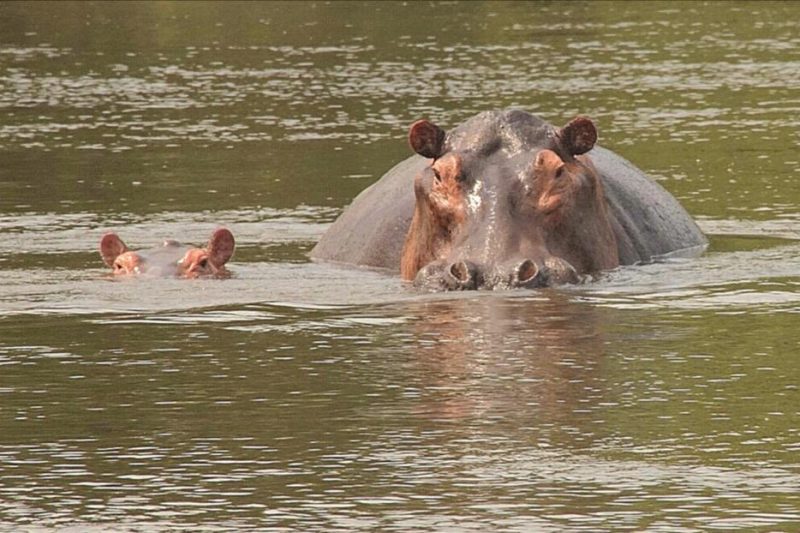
x: 172, y: 259
x: 507, y: 201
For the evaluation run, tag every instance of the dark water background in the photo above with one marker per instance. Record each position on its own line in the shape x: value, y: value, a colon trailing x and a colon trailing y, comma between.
x: 303, y: 397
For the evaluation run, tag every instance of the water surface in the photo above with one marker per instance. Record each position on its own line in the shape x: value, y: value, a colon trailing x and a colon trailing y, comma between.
x: 298, y: 396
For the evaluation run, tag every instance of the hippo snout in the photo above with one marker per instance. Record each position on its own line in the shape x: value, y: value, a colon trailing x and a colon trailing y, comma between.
x: 528, y: 274
x: 467, y: 275
x: 462, y: 275
x: 518, y: 274
x: 443, y: 276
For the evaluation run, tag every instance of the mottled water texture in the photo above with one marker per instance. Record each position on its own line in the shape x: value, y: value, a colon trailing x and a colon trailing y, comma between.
x: 300, y: 396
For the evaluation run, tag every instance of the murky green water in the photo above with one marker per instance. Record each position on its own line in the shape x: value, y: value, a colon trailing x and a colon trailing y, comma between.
x: 303, y: 397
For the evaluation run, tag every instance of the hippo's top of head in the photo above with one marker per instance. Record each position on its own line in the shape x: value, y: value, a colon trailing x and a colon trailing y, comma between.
x: 512, y: 131
x: 171, y: 258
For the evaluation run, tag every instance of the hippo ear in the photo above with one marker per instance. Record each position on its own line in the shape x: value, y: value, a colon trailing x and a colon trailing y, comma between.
x: 579, y: 136
x: 426, y: 138
x: 111, y: 247
x: 220, y: 247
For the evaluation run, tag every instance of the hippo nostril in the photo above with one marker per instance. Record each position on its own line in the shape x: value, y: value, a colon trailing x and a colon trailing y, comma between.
x: 526, y: 272
x: 460, y: 271
x: 461, y: 275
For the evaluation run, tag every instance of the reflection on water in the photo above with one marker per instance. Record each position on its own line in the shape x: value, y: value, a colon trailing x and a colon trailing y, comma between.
x: 486, y: 357
x: 497, y: 411
x: 298, y: 396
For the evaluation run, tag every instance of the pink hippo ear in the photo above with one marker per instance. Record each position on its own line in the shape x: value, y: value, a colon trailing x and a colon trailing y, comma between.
x: 111, y: 247
x: 220, y: 247
x: 579, y: 136
x: 427, y: 139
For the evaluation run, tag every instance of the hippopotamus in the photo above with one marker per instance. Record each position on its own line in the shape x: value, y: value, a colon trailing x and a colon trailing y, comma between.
x: 171, y: 259
x: 508, y: 200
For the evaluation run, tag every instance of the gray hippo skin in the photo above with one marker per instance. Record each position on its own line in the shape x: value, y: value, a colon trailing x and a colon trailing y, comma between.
x: 493, y: 190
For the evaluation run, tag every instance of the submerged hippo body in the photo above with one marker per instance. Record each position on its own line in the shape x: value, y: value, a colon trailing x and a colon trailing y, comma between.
x: 506, y: 199
x: 171, y: 259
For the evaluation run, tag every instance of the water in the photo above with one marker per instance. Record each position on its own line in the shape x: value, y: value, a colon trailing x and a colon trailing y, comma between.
x: 304, y: 397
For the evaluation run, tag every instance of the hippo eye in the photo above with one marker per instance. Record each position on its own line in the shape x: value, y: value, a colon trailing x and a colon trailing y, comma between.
x: 203, y: 263
x: 560, y: 171
x: 437, y: 175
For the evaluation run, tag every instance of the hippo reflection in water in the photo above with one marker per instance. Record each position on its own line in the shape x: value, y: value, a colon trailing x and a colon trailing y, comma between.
x: 172, y: 259
x: 508, y: 200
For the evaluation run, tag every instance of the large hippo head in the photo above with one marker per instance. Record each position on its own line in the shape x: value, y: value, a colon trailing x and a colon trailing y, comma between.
x: 507, y: 201
x: 171, y: 259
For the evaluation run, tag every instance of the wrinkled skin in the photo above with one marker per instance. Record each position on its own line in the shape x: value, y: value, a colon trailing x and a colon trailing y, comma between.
x: 508, y: 200
x: 171, y: 259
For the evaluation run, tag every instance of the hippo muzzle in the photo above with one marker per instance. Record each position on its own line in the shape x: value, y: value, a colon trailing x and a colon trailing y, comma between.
x: 467, y: 275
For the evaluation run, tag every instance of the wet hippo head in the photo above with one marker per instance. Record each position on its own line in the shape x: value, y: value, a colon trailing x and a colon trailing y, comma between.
x: 507, y: 201
x: 172, y: 259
